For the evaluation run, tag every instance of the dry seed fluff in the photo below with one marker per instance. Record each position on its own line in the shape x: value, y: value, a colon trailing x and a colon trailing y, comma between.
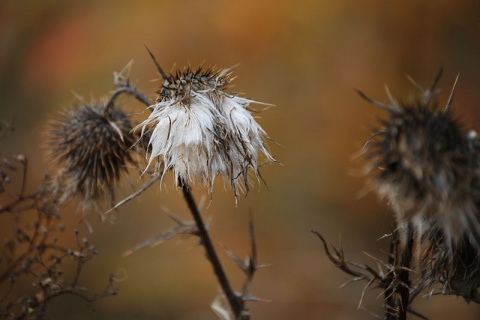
x: 199, y: 130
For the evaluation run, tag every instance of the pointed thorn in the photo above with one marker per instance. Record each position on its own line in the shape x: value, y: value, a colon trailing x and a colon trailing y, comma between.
x: 435, y: 80
x: 80, y: 98
x: 117, y: 129
x: 450, y: 98
x: 377, y: 103
x: 159, y: 68
x: 253, y: 241
x: 239, y: 262
x: 249, y: 297
x: 427, y: 95
x: 176, y: 219
x: 391, y: 99
x: 415, y: 84
x: 122, y: 78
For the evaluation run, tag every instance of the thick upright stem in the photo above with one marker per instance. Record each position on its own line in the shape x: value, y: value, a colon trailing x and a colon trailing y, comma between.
x: 236, y: 304
x: 389, y: 294
x: 404, y: 275
x: 397, y: 295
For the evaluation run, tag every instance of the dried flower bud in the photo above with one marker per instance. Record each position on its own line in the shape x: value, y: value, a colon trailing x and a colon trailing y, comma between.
x: 199, y: 131
x: 429, y: 169
x: 425, y: 168
x: 89, y: 143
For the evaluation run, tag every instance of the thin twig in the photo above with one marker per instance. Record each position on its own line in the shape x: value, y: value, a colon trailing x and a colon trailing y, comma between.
x: 122, y: 82
x: 131, y: 91
x: 23, y: 161
x: 147, y: 185
x: 181, y: 227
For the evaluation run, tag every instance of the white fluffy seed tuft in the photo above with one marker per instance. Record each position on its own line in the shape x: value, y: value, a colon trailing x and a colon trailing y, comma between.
x: 199, y: 131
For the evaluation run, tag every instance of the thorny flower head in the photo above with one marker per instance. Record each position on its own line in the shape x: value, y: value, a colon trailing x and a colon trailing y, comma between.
x: 425, y: 166
x: 90, y: 143
x: 428, y: 168
x: 199, y: 131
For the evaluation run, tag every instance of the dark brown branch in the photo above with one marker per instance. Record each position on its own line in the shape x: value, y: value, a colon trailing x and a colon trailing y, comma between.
x: 389, y: 293
x: 236, y: 303
x: 404, y: 275
x: 12, y: 206
x: 122, y: 82
x: 397, y: 294
x: 339, y: 261
x: 130, y: 91
x: 396, y: 280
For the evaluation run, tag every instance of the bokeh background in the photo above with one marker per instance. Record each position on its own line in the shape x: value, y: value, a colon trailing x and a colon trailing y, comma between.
x: 305, y: 57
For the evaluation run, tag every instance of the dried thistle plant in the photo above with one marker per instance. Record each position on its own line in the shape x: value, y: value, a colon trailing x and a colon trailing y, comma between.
x: 196, y: 129
x: 90, y: 144
x: 429, y: 170
x: 427, y: 165
x: 424, y: 165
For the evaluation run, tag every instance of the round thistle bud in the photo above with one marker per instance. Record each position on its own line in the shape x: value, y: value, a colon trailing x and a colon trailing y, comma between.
x: 424, y: 165
x: 89, y: 143
x: 199, y: 131
x: 429, y: 169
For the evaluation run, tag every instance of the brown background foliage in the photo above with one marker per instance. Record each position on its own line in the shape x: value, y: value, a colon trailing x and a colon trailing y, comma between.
x: 306, y: 57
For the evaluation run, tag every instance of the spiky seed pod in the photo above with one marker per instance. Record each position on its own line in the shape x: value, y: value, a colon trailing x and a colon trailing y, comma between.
x: 89, y: 144
x: 426, y: 168
x: 199, y: 131
x: 429, y: 169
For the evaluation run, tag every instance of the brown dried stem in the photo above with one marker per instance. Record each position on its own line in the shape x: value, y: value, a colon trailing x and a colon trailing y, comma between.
x: 395, y: 281
x: 33, y: 251
x: 235, y: 302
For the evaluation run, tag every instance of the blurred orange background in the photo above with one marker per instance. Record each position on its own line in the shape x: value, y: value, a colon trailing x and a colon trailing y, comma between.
x: 306, y: 58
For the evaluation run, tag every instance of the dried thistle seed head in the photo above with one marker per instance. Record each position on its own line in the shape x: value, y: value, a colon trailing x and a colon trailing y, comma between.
x: 199, y: 131
x: 424, y: 165
x: 89, y: 143
x: 421, y: 152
